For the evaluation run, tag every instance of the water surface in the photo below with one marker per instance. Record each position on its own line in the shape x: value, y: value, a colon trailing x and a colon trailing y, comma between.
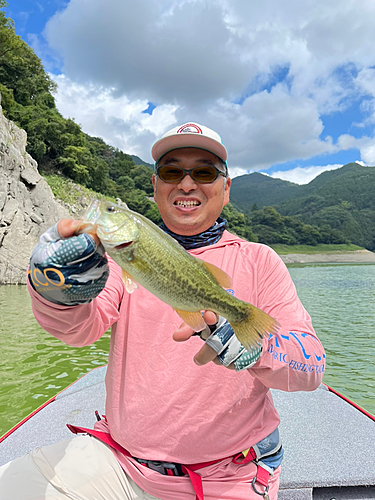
x: 341, y: 302
x: 34, y: 366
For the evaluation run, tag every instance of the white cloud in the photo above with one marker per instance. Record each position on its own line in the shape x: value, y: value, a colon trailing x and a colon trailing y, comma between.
x: 120, y: 122
x: 297, y: 175
x: 146, y: 53
x: 267, y: 128
x: 302, y: 175
x: 237, y: 171
x: 368, y: 153
x: 209, y: 61
x: 204, y: 50
x: 366, y: 80
x: 366, y: 146
x: 271, y: 127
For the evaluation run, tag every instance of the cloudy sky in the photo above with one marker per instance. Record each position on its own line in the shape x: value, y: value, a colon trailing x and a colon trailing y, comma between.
x: 290, y: 86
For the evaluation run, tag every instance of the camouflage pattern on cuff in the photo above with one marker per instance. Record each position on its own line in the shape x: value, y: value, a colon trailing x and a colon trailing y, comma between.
x: 248, y: 359
x: 229, y: 349
x: 68, y: 271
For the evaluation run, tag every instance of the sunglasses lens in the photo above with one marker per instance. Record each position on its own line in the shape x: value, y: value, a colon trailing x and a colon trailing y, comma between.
x: 170, y: 173
x: 204, y: 174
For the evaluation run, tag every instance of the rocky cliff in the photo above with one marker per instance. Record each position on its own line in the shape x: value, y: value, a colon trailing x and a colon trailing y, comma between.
x: 27, y: 204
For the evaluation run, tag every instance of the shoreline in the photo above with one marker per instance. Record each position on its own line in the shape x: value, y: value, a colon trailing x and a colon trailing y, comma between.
x: 355, y: 257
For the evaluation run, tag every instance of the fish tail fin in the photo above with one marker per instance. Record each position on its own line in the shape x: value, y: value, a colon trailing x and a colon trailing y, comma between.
x: 254, y: 327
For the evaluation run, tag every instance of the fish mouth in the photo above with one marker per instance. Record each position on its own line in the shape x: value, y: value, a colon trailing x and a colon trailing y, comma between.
x: 122, y: 245
x: 116, y: 245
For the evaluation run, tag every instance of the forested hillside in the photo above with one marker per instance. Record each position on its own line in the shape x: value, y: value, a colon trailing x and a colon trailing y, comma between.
x: 62, y: 149
x: 341, y: 199
x: 260, y: 190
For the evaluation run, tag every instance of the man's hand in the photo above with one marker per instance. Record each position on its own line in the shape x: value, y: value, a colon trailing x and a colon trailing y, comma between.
x: 206, y: 353
x: 221, y: 345
x: 66, y: 268
x: 68, y: 227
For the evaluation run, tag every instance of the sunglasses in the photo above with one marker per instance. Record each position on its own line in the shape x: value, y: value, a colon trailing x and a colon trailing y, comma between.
x: 204, y: 174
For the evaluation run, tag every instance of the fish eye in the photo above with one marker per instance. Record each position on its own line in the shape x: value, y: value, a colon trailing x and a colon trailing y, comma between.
x: 111, y: 209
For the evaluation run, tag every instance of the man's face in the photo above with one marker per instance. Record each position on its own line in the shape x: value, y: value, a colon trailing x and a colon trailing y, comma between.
x: 188, y: 207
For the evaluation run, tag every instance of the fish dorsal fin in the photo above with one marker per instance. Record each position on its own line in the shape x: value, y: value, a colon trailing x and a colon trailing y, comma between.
x: 130, y: 284
x: 193, y: 319
x: 222, y: 278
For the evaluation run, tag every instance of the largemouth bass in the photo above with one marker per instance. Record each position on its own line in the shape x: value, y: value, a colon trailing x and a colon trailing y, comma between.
x: 152, y: 258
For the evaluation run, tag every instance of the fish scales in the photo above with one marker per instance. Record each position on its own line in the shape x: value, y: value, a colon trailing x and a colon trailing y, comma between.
x: 189, y: 278
x: 156, y: 261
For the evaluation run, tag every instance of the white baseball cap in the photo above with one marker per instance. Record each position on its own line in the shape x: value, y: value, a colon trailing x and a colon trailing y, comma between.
x: 190, y: 135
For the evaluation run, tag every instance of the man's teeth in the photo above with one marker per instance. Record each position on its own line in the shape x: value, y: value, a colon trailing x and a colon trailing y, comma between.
x: 182, y: 203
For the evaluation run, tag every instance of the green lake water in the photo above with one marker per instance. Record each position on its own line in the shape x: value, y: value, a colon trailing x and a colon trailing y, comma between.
x: 34, y: 366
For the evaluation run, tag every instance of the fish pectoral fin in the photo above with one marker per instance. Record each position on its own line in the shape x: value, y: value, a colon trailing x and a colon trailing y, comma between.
x: 130, y: 284
x: 193, y: 319
x: 222, y: 277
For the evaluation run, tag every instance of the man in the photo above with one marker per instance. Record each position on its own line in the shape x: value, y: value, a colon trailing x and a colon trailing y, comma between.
x: 179, y: 411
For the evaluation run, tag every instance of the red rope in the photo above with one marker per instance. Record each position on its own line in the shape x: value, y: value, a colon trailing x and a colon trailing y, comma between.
x: 351, y: 402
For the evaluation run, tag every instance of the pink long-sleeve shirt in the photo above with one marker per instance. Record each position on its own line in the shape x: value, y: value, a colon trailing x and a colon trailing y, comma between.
x: 162, y: 406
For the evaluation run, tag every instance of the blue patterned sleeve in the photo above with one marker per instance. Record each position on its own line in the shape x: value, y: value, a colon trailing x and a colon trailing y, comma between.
x: 68, y: 271
x: 229, y: 349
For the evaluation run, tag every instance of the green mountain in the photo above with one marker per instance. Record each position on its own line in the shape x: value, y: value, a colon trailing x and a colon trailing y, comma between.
x: 352, y: 183
x: 261, y: 190
x: 139, y: 161
x: 342, y: 199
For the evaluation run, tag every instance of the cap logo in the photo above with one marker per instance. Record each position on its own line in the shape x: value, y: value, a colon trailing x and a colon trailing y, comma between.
x: 189, y: 128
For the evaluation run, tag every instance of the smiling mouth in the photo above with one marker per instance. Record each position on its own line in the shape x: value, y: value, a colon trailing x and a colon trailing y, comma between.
x: 187, y: 203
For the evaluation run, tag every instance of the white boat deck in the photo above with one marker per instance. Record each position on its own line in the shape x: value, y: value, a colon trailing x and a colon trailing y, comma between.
x: 329, y: 444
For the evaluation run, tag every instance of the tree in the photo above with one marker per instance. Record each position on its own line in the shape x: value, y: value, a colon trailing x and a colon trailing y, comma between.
x: 153, y: 213
x: 267, y: 234
x: 7, y: 42
x: 268, y: 216
x: 20, y: 69
x: 126, y: 182
x: 76, y: 164
x: 142, y: 177
x: 238, y: 223
x: 309, y: 235
x: 138, y: 201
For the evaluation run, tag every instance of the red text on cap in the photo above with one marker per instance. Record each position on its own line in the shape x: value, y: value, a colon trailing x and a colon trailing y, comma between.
x: 189, y: 128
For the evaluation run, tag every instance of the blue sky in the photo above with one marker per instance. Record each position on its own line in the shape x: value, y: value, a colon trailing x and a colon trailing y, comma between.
x: 289, y: 86
x: 31, y: 16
